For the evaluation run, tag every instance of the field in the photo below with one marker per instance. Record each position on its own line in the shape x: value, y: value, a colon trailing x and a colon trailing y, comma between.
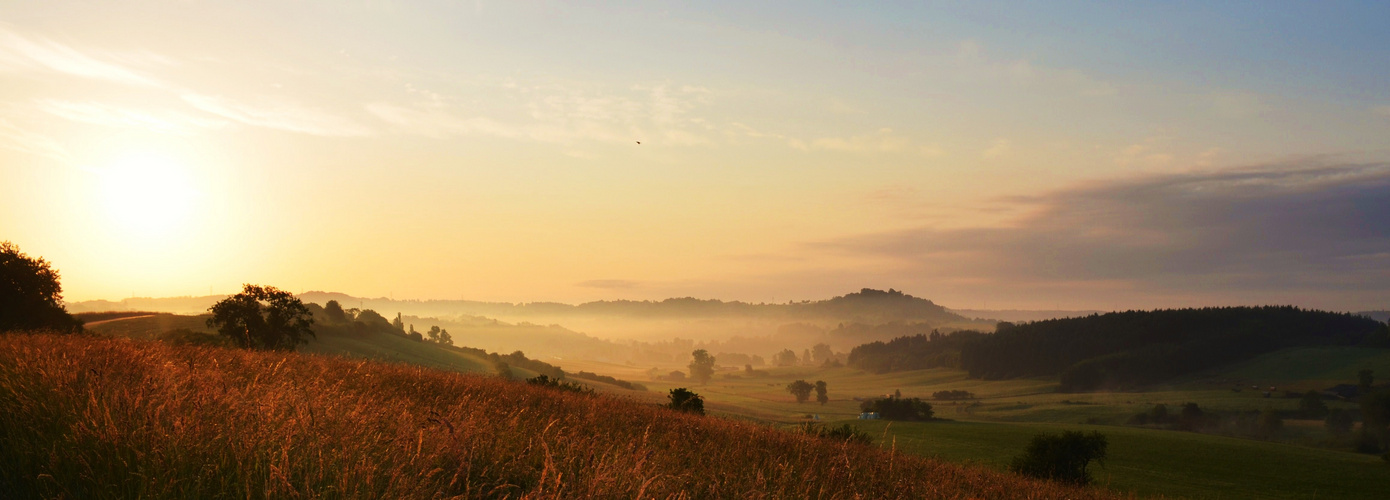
x: 90, y: 417
x: 997, y: 425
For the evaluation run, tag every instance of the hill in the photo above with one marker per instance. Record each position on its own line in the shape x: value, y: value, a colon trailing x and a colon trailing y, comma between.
x: 1141, y: 347
x: 1122, y: 349
x: 89, y: 417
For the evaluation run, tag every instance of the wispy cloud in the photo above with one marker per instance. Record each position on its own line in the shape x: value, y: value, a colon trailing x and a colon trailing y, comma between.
x: 21, y: 54
x: 25, y: 141
x: 168, y: 122
x: 1290, y: 227
x: 280, y: 114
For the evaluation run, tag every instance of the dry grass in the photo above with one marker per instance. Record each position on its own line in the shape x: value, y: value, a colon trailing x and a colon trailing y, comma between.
x: 88, y: 417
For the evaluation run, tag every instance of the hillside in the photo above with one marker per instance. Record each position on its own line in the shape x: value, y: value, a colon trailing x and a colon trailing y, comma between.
x: 1141, y: 347
x: 124, y: 418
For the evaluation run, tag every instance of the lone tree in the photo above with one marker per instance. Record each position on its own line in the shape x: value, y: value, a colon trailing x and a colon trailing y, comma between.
x: 30, y: 295
x: 685, y: 400
x: 263, y: 318
x: 702, y: 367
x: 821, y: 396
x: 1061, y: 457
x: 801, y: 389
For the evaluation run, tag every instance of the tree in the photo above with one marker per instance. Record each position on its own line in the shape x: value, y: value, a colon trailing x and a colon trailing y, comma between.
x: 445, y: 338
x: 895, y: 408
x: 784, y: 358
x: 30, y: 295
x: 1339, y: 422
x: 801, y: 389
x: 1269, y: 423
x: 398, y: 323
x: 1063, y: 458
x: 821, y: 353
x: 1312, y: 406
x: 702, y: 366
x: 263, y: 318
x: 433, y: 333
x: 685, y: 400
x: 821, y: 396
x: 334, y: 312
x: 805, y: 356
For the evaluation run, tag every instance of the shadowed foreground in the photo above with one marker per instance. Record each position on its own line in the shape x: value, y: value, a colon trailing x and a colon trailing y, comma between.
x: 89, y: 417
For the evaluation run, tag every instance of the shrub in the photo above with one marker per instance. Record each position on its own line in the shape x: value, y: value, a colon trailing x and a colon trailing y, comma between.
x: 685, y: 400
x: 1063, y: 458
x: 846, y: 433
x: 896, y: 408
x: 545, y: 381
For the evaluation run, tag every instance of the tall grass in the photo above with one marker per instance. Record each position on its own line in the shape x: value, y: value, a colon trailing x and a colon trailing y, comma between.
x: 86, y: 417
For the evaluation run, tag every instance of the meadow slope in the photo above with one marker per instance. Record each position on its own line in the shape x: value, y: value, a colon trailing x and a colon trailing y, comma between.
x: 91, y: 417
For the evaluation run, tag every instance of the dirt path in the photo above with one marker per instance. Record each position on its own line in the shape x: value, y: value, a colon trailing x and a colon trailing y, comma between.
x: 105, y: 321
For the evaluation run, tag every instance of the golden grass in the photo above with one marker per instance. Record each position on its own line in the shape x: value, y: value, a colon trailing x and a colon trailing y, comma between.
x: 87, y: 417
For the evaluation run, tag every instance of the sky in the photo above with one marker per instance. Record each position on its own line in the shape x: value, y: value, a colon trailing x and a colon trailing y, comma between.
x: 1030, y: 155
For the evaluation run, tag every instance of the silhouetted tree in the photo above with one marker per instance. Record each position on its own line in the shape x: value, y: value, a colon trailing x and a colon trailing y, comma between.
x: 1063, y: 458
x: 821, y: 353
x: 685, y: 400
x: 1375, y: 419
x: 801, y: 389
x: 702, y: 366
x: 1339, y: 421
x: 263, y: 317
x: 784, y: 358
x: 895, y: 408
x: 398, y: 323
x: 334, y: 312
x: 445, y: 338
x: 30, y: 294
x: 821, y: 396
x: 1312, y: 406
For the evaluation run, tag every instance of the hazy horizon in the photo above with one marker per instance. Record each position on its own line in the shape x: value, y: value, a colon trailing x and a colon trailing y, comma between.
x: 1058, y: 156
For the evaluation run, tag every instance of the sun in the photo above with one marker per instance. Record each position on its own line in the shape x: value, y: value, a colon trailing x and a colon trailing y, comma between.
x: 148, y: 195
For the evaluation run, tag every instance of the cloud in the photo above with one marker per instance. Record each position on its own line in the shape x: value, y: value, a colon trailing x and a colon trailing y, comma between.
x: 20, y: 54
x: 997, y: 149
x: 24, y: 141
x: 608, y: 284
x: 278, y: 114
x: 883, y: 141
x: 168, y: 122
x: 1319, y: 228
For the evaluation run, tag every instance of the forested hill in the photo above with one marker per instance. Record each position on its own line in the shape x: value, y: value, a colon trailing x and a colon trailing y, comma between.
x: 1122, y: 349
x: 1140, y: 347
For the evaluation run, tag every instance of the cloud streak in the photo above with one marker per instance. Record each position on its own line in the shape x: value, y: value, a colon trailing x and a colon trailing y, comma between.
x: 21, y: 54
x: 1291, y: 227
x: 278, y: 114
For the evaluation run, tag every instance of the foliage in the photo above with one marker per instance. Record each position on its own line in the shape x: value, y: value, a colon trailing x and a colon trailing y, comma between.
x: 1061, y: 457
x: 786, y: 357
x: 263, y: 317
x: 98, y: 418
x: 1311, y: 405
x: 631, y: 386
x: 31, y: 296
x: 184, y: 336
x: 822, y: 396
x: 1339, y: 422
x: 913, y: 352
x: 898, y: 408
x: 952, y: 395
x: 1375, y: 418
x: 545, y: 381
x: 685, y: 400
x: 846, y: 433
x: 1269, y: 423
x: 801, y: 390
x: 701, y: 366
x: 1126, y: 349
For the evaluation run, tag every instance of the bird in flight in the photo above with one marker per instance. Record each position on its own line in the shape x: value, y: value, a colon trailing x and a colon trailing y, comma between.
x: 639, y: 142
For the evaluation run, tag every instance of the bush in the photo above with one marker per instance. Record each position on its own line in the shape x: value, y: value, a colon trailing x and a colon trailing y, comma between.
x: 896, y: 408
x: 846, y: 433
x: 544, y: 381
x: 1061, y: 458
x: 685, y: 400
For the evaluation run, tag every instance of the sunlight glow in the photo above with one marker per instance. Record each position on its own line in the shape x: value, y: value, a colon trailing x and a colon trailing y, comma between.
x: 148, y: 195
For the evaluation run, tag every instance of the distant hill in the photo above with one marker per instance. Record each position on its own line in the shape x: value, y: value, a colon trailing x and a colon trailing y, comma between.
x: 865, y: 306
x: 1022, y: 315
x: 1126, y: 349
x: 1381, y: 316
x: 1141, y: 347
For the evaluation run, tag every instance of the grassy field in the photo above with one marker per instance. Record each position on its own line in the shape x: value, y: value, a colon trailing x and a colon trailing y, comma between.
x: 93, y: 417
x: 1157, y: 462
x: 1006, y: 414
